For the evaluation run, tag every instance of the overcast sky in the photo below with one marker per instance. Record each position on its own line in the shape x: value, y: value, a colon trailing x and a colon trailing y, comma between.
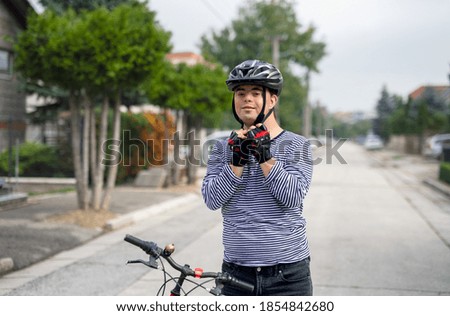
x: 401, y: 44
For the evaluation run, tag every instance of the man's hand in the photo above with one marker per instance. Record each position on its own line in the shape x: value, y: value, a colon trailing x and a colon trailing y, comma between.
x: 260, y: 143
x: 239, y: 147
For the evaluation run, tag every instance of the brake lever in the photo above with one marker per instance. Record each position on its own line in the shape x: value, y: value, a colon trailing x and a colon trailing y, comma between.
x: 217, y: 290
x: 150, y: 263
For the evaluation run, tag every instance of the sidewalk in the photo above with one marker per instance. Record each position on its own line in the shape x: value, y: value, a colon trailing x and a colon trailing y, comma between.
x: 425, y: 170
x: 49, y: 224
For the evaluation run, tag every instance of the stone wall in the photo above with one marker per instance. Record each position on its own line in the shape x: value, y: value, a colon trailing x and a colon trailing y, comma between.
x: 405, y: 144
x: 40, y: 185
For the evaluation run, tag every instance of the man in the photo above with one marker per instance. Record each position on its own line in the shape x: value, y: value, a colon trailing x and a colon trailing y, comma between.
x: 259, y: 178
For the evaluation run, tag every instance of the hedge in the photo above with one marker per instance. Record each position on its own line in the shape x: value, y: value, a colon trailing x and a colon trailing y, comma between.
x: 38, y: 160
x: 444, y: 172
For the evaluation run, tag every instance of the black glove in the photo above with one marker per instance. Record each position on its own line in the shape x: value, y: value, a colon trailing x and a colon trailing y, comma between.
x: 240, y: 150
x: 260, y: 143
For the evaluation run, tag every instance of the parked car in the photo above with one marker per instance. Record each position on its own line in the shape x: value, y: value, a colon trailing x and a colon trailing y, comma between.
x: 434, y: 145
x: 373, y: 142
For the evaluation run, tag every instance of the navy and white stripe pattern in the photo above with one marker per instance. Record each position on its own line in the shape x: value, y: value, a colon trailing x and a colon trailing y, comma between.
x: 263, y: 223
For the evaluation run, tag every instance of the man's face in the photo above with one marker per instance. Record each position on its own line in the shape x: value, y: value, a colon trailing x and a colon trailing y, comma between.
x: 248, y: 100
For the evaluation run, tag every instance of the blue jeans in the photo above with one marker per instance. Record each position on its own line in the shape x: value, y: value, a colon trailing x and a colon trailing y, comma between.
x: 292, y: 279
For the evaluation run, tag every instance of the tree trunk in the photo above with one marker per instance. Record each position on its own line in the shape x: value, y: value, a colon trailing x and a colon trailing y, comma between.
x: 98, y: 170
x: 176, y: 148
x: 76, y: 146
x: 93, y: 155
x: 112, y: 174
x: 167, y: 155
x: 176, y: 152
x: 85, y: 152
x: 192, y: 163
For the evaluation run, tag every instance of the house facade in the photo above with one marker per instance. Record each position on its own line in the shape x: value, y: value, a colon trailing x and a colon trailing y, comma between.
x: 12, y: 102
x: 441, y: 91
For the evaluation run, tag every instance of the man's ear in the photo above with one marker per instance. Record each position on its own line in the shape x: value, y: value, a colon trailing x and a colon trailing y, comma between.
x: 274, y: 100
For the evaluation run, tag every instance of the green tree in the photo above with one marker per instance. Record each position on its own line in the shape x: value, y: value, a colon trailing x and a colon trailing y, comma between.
x: 429, y: 113
x: 349, y: 130
x: 401, y: 121
x: 422, y: 116
x: 92, y: 54
x: 251, y: 36
x: 199, y: 92
x: 320, y: 120
x: 60, y: 6
x: 384, y: 109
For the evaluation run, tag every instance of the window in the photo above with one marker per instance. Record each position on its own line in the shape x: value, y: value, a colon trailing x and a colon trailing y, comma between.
x: 5, y: 62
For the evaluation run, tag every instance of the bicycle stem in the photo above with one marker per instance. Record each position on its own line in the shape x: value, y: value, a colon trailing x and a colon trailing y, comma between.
x: 176, y: 291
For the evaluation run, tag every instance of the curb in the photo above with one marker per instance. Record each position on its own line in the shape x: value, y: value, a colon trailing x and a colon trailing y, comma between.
x: 438, y: 186
x: 138, y: 215
x: 13, y: 199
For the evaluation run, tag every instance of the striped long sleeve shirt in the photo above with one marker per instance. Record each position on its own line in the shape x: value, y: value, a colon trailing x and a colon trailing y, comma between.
x: 263, y: 221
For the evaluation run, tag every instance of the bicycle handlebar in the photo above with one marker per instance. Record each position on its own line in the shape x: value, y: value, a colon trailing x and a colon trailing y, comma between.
x: 148, y: 247
x: 155, y: 252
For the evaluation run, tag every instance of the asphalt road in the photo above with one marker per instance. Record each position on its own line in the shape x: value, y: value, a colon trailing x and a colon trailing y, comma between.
x: 376, y: 229
x: 373, y: 227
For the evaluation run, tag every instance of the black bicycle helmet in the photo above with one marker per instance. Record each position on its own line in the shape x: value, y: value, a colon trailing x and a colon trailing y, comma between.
x: 255, y: 72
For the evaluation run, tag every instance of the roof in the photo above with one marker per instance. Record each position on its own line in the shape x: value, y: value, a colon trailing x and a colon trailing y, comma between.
x: 186, y: 58
x: 19, y: 8
x: 443, y: 91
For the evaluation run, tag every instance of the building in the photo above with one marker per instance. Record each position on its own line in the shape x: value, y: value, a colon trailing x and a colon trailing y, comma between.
x: 440, y: 91
x: 13, y: 15
x: 187, y: 58
x: 352, y: 117
x: 413, y: 144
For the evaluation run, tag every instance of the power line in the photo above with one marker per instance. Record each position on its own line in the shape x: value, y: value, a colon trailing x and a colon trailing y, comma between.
x: 213, y: 10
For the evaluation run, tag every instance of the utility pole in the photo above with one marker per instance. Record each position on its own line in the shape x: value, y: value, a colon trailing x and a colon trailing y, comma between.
x: 276, y: 62
x: 276, y: 50
x: 307, y: 110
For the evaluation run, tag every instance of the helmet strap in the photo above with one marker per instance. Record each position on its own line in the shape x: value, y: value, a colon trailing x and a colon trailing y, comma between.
x: 235, y: 114
x: 268, y: 114
x: 260, y: 118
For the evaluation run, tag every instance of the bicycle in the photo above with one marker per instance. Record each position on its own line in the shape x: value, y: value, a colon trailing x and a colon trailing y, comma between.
x: 156, y: 253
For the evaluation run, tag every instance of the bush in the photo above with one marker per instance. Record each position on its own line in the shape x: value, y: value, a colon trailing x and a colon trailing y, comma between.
x: 142, y: 143
x: 37, y: 160
x: 444, y: 172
